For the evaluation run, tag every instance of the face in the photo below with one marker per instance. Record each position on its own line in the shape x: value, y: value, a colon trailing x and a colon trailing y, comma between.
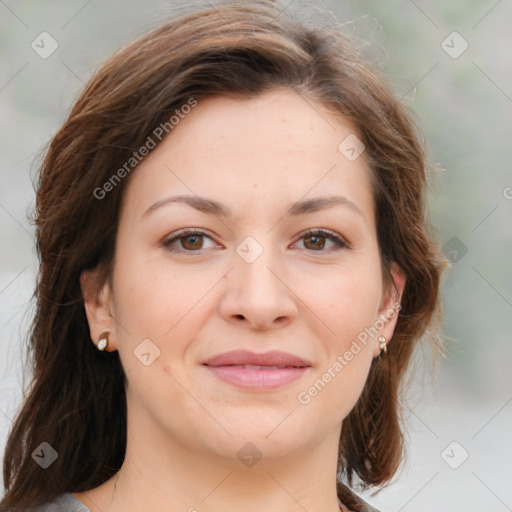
x: 247, y: 292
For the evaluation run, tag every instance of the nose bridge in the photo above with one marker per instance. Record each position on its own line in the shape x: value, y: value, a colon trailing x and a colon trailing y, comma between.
x: 257, y: 266
x: 257, y: 292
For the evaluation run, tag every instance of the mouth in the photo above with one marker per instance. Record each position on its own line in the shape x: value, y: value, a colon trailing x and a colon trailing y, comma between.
x: 256, y: 366
x: 248, y: 370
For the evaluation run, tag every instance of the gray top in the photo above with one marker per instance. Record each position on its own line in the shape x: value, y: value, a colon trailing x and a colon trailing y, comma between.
x: 68, y: 503
x: 64, y: 503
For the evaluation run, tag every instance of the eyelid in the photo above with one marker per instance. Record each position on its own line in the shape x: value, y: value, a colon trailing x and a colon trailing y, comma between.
x: 183, y: 233
x: 339, y: 241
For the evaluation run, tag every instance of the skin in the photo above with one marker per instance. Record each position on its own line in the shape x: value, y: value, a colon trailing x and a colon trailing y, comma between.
x: 305, y: 296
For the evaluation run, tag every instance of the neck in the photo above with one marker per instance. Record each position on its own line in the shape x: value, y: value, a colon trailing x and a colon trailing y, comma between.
x: 158, y: 474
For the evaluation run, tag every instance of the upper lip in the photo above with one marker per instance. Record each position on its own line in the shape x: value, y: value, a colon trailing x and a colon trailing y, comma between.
x: 242, y: 357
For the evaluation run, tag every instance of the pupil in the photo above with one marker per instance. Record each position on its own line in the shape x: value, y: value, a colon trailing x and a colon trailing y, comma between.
x: 318, y: 241
x: 194, y: 242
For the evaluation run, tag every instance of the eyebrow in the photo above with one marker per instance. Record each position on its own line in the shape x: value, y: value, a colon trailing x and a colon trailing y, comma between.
x: 213, y: 207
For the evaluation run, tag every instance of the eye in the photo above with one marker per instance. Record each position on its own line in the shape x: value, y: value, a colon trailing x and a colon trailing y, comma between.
x: 188, y: 240
x: 193, y: 240
x: 316, y: 240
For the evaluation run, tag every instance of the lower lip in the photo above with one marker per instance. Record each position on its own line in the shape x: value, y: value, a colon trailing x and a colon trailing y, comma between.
x: 257, y: 379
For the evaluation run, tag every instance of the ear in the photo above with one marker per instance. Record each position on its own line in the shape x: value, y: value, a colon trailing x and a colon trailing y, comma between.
x: 389, y: 308
x: 98, y: 308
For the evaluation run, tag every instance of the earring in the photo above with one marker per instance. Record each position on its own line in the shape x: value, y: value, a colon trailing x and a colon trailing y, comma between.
x: 382, y: 344
x: 103, y: 341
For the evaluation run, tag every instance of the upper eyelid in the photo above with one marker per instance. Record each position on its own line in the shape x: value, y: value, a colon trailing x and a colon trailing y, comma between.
x: 182, y: 233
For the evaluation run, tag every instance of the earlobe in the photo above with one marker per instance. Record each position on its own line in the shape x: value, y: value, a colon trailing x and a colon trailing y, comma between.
x: 389, y: 310
x: 98, y: 309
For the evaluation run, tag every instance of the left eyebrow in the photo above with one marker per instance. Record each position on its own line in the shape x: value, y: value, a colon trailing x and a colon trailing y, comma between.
x: 321, y: 203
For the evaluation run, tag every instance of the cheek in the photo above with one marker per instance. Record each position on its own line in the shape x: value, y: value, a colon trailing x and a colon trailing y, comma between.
x: 348, y: 310
x: 160, y: 304
x: 152, y: 298
x: 336, y: 385
x: 166, y: 305
x: 345, y: 302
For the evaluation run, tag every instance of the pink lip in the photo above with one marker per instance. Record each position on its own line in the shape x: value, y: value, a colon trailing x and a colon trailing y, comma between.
x: 229, y: 367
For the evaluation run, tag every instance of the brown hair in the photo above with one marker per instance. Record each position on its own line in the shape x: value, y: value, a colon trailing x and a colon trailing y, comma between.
x: 76, y: 401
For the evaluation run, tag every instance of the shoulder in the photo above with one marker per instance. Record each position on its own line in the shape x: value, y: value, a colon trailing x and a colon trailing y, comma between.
x: 351, y: 502
x: 63, y: 503
x: 362, y: 507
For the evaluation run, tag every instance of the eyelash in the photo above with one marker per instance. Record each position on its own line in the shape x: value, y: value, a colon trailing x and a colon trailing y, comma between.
x: 340, y: 242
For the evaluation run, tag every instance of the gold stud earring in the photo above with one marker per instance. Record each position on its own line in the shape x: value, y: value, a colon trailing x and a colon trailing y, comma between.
x: 103, y: 341
x: 382, y: 344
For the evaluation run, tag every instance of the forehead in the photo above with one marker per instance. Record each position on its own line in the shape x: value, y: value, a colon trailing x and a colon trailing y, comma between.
x: 278, y: 146
x: 273, y: 121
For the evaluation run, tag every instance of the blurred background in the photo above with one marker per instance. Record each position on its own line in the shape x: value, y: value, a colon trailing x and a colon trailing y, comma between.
x: 451, y: 64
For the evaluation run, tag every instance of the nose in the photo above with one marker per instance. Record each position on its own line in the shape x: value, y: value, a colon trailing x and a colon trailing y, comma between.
x: 258, y: 294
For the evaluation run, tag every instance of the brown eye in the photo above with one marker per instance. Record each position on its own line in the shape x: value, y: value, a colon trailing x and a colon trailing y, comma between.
x: 192, y: 242
x: 314, y: 242
x: 189, y: 240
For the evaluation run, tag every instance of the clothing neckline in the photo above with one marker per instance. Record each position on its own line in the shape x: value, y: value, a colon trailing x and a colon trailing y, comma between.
x: 76, y: 501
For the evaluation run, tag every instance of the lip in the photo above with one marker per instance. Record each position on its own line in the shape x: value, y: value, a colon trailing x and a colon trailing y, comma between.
x: 231, y: 367
x: 241, y: 357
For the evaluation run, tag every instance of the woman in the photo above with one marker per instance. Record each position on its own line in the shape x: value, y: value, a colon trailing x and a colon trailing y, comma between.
x: 235, y: 270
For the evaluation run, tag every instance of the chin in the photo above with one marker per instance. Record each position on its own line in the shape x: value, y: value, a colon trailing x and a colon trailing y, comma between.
x: 274, y: 433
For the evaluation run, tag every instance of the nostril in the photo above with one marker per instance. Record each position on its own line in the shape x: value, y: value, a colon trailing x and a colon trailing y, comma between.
x: 242, y: 317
